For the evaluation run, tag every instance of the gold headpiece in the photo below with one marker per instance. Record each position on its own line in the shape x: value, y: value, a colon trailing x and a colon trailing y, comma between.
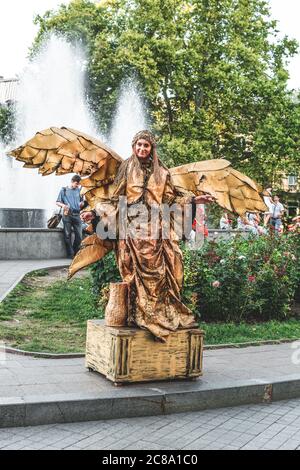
x: 147, y: 135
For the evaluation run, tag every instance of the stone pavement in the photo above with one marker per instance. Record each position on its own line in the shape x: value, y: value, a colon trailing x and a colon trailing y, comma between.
x: 44, y: 391
x: 12, y: 271
x: 35, y: 391
x: 272, y: 426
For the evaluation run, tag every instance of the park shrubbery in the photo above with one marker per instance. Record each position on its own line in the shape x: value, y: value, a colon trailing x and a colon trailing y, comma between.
x: 243, y: 280
x: 235, y: 280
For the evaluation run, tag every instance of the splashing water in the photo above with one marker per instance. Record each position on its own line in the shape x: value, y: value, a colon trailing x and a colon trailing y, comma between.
x: 129, y: 119
x: 51, y: 92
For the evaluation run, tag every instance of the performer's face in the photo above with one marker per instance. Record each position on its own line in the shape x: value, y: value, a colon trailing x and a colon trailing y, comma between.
x: 142, y: 148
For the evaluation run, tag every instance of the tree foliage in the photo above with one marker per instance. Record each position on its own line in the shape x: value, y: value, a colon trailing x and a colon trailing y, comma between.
x: 7, y: 123
x: 212, y: 72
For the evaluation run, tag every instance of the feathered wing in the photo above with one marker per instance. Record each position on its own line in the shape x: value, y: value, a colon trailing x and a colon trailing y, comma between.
x: 92, y: 249
x: 233, y: 190
x: 64, y: 150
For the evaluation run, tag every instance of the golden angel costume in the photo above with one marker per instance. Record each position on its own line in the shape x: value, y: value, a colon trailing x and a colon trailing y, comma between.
x: 151, y: 266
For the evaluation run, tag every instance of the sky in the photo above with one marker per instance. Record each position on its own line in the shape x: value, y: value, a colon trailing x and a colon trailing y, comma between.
x: 17, y: 31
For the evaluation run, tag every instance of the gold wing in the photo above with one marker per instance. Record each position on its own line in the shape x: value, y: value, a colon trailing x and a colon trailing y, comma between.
x: 64, y: 150
x: 233, y: 190
x: 92, y: 249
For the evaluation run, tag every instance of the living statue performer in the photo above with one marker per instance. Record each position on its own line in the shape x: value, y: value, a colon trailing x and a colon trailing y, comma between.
x: 151, y: 266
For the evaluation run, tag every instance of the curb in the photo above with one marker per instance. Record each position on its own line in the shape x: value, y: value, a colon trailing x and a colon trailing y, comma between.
x: 208, y: 347
x: 149, y: 402
x: 250, y: 343
x: 41, y: 354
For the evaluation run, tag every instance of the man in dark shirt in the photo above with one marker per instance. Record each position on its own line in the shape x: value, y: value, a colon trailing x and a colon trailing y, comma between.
x: 70, y: 200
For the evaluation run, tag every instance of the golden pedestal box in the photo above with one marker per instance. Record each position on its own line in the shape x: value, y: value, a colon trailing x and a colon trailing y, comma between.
x: 126, y: 354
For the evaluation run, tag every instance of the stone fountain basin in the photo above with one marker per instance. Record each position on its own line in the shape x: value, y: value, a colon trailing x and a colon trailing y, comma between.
x: 31, y: 243
x: 22, y: 218
x: 42, y: 243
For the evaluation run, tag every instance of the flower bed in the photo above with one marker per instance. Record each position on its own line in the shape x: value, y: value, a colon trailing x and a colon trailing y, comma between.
x: 243, y: 280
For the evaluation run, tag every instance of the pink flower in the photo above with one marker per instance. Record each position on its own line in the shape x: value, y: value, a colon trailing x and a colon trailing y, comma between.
x: 216, y: 284
x: 251, y: 278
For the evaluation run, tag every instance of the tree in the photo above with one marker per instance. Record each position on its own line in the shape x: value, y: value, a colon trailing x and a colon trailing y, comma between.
x: 212, y: 72
x: 7, y: 123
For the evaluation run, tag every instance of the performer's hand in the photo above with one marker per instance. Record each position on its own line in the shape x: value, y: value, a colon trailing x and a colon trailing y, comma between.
x: 87, y: 216
x: 205, y: 199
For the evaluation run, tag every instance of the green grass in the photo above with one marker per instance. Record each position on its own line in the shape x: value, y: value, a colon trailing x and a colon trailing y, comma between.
x: 221, y: 333
x: 52, y: 318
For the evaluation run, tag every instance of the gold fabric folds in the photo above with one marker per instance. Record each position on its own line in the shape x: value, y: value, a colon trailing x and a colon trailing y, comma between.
x: 153, y: 268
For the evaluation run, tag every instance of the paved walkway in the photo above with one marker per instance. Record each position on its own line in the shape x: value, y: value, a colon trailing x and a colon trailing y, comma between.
x: 11, y: 272
x: 274, y: 426
x: 28, y: 378
x: 44, y: 391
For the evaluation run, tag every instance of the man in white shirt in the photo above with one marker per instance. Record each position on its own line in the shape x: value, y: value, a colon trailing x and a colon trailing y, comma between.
x: 268, y: 201
x: 277, y: 211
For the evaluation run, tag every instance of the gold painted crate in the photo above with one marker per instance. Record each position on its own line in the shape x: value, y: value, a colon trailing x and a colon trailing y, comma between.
x: 126, y: 354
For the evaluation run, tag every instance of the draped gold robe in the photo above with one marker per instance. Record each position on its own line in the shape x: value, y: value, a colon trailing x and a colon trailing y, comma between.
x: 153, y: 268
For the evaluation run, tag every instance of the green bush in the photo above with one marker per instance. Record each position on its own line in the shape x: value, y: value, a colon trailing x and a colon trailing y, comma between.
x: 243, y: 280
x: 103, y: 272
x: 234, y: 280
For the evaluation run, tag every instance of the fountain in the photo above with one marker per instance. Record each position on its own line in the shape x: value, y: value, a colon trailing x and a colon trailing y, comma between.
x: 129, y: 118
x: 51, y: 92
